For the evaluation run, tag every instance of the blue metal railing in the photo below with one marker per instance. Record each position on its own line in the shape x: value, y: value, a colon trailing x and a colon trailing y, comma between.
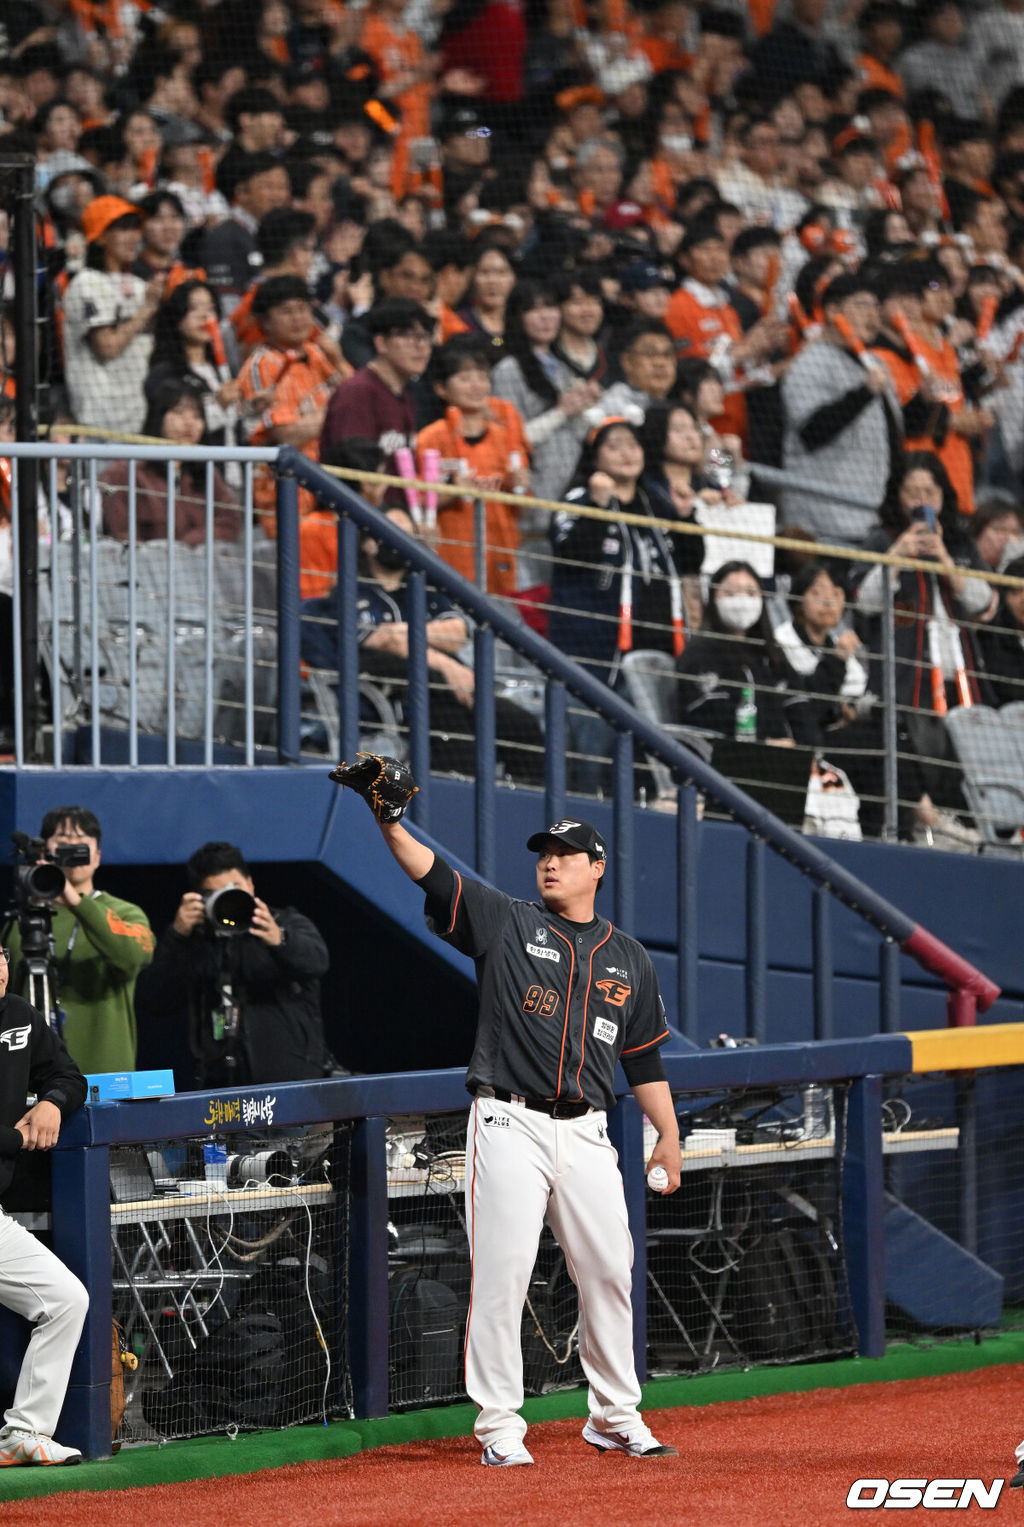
x: 564, y: 678
x: 75, y: 578
x: 969, y: 988
x: 81, y: 1180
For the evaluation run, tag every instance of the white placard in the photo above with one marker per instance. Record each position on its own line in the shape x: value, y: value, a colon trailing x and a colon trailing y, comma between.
x: 758, y: 519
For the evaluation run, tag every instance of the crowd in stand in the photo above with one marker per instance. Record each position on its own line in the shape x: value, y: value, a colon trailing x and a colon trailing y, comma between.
x: 612, y: 254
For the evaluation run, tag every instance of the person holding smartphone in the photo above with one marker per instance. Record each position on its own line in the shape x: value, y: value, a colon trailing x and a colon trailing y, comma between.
x: 936, y: 613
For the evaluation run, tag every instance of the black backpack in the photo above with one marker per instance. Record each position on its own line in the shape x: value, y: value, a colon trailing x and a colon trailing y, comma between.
x: 783, y: 1298
x: 263, y: 1366
x: 428, y: 1327
x: 235, y: 1377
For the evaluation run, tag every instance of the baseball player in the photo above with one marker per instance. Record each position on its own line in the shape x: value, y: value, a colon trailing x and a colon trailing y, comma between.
x: 563, y: 997
x: 33, y: 1282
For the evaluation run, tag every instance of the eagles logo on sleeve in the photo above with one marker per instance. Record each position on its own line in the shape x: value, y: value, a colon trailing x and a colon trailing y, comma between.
x: 613, y: 991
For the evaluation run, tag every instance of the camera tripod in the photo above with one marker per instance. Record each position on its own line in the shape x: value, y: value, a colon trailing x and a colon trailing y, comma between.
x: 41, y: 986
x: 41, y: 989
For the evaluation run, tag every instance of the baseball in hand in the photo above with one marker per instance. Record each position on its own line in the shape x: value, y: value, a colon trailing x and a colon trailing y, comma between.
x: 657, y: 1179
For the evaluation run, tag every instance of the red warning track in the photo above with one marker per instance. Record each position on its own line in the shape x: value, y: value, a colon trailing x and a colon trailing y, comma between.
x: 787, y: 1460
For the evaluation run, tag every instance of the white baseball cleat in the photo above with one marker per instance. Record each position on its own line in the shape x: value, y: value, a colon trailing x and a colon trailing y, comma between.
x: 505, y: 1455
x: 638, y: 1443
x: 17, y: 1447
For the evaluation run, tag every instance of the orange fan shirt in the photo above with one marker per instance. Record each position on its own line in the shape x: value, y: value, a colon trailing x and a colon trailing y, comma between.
x: 249, y: 330
x: 488, y: 457
x: 451, y: 323
x: 906, y: 378
x: 875, y: 76
x: 695, y: 325
x: 664, y: 53
x: 955, y: 451
x: 395, y: 52
x: 299, y: 382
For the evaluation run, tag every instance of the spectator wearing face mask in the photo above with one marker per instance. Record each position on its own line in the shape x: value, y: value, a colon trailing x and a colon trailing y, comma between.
x: 734, y: 656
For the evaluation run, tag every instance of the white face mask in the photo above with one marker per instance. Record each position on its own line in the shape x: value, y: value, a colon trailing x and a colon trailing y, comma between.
x: 738, y: 612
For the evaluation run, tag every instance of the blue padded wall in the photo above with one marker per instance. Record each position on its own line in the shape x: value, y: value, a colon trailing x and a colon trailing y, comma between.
x: 155, y: 817
x: 932, y: 1279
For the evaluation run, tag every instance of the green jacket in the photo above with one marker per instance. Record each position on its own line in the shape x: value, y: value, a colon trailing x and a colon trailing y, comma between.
x: 96, y: 979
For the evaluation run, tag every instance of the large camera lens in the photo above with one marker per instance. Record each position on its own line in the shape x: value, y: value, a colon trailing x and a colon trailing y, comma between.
x: 41, y: 882
x: 274, y: 1168
x: 230, y: 910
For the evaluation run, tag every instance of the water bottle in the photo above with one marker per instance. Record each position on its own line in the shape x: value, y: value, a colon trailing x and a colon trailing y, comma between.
x: 817, y: 1103
x: 745, y: 729
x: 719, y: 468
x: 215, y: 1164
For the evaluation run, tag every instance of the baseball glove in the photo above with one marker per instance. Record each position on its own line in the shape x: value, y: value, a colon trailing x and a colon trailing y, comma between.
x: 385, y: 784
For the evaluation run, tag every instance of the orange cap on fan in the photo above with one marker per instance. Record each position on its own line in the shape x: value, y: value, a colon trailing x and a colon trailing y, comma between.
x: 102, y: 211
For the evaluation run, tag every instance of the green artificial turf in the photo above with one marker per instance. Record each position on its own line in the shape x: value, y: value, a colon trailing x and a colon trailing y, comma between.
x: 208, y: 1457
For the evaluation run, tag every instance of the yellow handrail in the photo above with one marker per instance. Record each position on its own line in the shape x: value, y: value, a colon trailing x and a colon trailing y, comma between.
x: 616, y: 516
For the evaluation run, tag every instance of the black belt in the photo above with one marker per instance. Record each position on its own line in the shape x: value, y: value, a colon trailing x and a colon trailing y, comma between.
x: 554, y: 1108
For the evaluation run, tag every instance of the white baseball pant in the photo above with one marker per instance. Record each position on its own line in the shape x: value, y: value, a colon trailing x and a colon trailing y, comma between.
x: 36, y: 1284
x: 520, y: 1167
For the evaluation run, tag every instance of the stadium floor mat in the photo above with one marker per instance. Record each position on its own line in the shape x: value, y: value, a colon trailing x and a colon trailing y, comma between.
x: 215, y: 1456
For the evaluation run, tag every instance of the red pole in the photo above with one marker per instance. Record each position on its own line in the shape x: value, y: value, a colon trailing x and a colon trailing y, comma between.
x: 961, y: 1009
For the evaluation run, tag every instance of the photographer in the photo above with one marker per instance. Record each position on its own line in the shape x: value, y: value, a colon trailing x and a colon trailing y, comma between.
x: 100, y: 943
x: 249, y: 976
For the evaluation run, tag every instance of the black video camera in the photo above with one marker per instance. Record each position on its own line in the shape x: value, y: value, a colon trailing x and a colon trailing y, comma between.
x: 39, y: 876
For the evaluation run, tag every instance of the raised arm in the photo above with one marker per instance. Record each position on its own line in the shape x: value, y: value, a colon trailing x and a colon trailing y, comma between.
x: 409, y: 854
x: 387, y: 787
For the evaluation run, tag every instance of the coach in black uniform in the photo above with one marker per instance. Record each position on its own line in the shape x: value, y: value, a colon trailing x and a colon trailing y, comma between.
x: 563, y: 997
x: 33, y: 1281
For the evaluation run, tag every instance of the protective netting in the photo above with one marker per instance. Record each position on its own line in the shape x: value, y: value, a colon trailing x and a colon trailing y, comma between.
x: 230, y: 1279
x: 429, y: 1275
x: 180, y: 643
x: 955, y: 1185
x: 746, y: 1263
x: 811, y: 743
x: 753, y: 269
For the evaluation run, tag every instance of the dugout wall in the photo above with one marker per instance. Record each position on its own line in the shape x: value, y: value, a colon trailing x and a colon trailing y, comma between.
x: 155, y: 817
x: 709, y: 1267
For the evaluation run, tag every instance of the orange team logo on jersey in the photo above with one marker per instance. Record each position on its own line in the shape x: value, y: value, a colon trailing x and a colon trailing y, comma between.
x: 613, y: 992
x: 137, y: 931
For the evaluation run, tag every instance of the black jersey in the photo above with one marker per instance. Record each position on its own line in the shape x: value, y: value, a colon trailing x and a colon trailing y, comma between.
x: 560, y: 1002
x: 32, y: 1060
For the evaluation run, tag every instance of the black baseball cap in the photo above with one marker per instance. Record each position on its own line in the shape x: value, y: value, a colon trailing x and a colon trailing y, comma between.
x: 642, y: 276
x: 580, y: 836
x: 464, y: 120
